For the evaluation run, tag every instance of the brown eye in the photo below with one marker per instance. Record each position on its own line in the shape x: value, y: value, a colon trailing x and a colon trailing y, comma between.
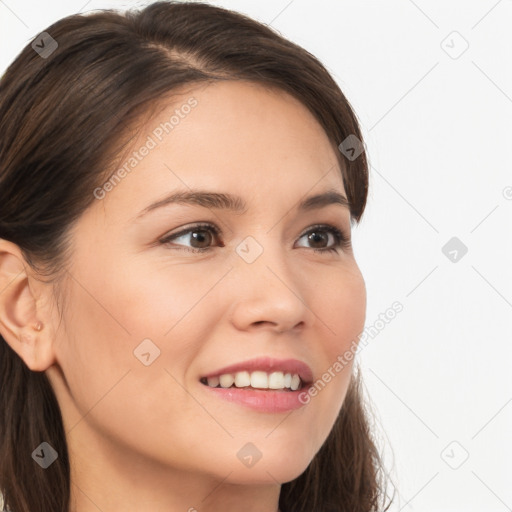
x: 199, y: 238
x: 318, y: 237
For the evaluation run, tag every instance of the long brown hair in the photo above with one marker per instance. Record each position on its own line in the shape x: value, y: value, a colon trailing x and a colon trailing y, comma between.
x: 61, y: 119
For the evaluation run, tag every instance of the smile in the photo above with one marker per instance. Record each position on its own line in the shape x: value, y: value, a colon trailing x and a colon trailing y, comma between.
x: 264, y: 384
x: 255, y: 380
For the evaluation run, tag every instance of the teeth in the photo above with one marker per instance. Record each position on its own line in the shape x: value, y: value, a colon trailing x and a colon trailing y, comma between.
x: 295, y: 382
x: 276, y: 380
x: 226, y: 380
x: 256, y: 379
x: 259, y: 380
x: 242, y: 379
x: 213, y: 382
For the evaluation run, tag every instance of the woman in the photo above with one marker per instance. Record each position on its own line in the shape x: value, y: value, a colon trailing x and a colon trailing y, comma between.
x: 181, y: 302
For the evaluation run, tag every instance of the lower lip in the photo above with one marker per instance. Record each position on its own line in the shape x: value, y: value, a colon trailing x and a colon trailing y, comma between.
x: 262, y: 400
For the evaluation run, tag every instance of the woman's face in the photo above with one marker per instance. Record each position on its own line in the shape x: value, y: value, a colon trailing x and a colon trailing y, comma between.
x: 146, y: 319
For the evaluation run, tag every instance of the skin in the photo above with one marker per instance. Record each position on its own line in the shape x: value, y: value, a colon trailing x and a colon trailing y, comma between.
x: 151, y: 437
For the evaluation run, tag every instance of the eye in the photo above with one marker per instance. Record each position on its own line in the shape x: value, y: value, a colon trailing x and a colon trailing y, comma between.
x: 201, y: 237
x: 320, y: 233
x: 199, y: 240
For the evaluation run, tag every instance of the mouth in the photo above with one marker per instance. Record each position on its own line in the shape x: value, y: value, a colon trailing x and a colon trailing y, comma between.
x: 262, y: 373
x: 263, y: 384
x: 257, y: 380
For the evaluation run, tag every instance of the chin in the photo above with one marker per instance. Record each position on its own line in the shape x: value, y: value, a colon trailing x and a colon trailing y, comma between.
x: 276, y: 462
x: 273, y: 472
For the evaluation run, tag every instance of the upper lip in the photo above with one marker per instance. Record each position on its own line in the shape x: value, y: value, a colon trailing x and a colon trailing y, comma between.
x: 269, y: 365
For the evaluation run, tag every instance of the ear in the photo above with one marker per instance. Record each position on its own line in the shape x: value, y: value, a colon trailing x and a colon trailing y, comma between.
x: 22, y: 320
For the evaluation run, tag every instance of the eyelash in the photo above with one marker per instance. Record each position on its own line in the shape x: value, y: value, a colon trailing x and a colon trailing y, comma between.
x: 341, y: 240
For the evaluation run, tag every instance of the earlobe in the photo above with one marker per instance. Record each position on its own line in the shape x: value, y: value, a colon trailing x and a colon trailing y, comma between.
x: 19, y: 323
x: 34, y: 349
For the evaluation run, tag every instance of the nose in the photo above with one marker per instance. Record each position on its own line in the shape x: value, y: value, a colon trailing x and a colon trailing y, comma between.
x: 269, y: 293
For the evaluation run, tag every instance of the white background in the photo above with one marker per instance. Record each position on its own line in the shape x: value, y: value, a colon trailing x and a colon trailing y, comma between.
x: 438, y: 129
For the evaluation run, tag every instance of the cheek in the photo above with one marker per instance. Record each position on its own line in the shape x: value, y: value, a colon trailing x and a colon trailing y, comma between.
x: 111, y: 388
x: 342, y: 308
x: 159, y: 300
x: 155, y: 316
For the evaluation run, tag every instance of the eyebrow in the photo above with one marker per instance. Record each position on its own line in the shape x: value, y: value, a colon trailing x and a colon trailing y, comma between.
x: 236, y: 204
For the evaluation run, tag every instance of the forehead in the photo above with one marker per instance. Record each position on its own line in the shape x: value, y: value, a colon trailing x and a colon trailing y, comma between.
x: 234, y: 136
